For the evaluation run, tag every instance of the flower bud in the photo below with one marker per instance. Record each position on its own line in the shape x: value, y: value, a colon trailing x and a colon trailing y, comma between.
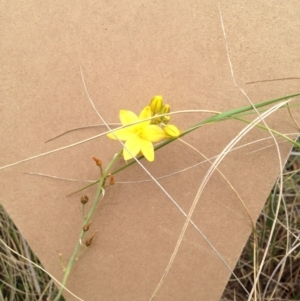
x: 171, y: 131
x: 165, y: 109
x: 156, y: 104
x: 166, y: 119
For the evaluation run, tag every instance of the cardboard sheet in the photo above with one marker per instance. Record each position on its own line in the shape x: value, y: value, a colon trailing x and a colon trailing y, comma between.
x: 130, y: 51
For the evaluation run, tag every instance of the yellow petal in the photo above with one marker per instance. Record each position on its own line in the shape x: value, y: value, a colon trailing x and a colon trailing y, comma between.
x: 146, y: 113
x: 153, y: 133
x: 127, y: 117
x: 147, y: 149
x: 133, y: 145
x: 122, y: 134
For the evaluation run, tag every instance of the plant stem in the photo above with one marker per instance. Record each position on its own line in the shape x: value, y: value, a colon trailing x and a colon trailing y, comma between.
x: 86, y: 221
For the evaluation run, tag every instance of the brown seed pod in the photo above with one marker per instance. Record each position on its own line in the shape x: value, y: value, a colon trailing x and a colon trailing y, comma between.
x: 84, y: 199
x: 90, y: 240
x: 87, y: 226
x: 98, y: 161
x: 111, y: 180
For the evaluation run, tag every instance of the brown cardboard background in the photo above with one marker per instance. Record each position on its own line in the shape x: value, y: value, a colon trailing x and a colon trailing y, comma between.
x: 130, y: 51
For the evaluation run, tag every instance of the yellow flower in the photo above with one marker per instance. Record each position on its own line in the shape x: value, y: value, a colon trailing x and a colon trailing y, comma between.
x: 140, y: 136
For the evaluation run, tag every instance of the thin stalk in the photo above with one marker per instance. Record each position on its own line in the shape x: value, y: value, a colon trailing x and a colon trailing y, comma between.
x: 86, y: 221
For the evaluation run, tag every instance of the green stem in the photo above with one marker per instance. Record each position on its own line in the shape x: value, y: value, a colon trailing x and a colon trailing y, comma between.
x: 86, y: 221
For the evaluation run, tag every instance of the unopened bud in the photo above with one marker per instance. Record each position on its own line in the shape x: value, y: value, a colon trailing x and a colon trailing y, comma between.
x: 171, y: 131
x: 165, y: 109
x: 166, y: 119
x: 156, y: 104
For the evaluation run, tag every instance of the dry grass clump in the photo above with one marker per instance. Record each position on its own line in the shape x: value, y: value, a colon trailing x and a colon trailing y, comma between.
x: 20, y: 280
x: 280, y: 276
